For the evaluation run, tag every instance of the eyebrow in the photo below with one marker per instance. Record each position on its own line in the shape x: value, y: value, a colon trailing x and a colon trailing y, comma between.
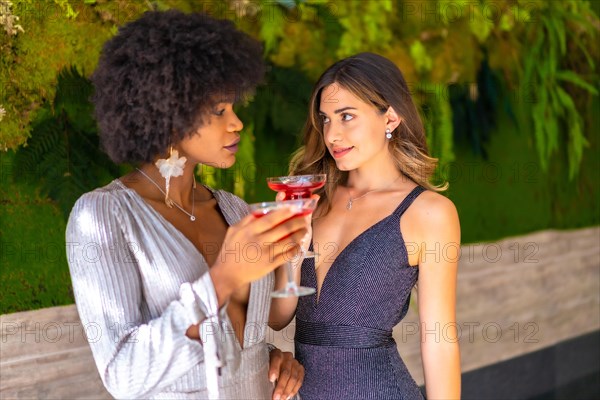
x: 339, y: 110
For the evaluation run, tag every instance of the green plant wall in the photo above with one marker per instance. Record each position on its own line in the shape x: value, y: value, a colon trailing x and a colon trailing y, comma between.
x: 33, y: 264
x: 540, y: 46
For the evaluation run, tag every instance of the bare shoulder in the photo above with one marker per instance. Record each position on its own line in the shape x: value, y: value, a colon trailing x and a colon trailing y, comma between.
x: 433, y: 206
x: 432, y: 211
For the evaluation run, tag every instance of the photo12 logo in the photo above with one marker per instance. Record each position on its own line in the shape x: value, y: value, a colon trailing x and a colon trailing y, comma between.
x: 269, y: 11
x: 453, y: 11
x: 489, y: 332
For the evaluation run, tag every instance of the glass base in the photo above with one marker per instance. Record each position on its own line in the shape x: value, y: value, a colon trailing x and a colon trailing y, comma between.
x: 293, y: 291
x: 310, y: 254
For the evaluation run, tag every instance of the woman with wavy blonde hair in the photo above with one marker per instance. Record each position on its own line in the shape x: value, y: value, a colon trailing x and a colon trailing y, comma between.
x: 380, y: 226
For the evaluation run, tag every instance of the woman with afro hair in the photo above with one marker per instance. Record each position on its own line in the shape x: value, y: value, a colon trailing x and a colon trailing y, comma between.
x: 156, y: 259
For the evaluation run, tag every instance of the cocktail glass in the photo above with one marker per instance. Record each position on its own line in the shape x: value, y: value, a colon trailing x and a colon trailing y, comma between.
x: 297, y: 186
x: 300, y: 207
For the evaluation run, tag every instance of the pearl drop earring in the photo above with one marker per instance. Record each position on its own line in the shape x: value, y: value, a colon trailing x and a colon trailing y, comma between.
x: 388, y: 133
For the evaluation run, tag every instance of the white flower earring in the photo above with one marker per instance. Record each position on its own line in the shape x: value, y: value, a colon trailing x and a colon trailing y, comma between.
x: 170, y: 167
x: 388, y: 133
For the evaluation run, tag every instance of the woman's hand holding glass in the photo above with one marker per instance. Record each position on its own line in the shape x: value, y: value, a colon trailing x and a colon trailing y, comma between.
x: 256, y: 246
x: 300, y: 208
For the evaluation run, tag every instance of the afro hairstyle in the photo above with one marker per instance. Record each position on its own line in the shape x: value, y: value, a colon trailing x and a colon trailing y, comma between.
x: 160, y: 75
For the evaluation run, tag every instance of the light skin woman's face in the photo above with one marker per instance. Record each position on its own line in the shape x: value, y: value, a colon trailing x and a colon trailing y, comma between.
x: 216, y: 141
x: 354, y: 131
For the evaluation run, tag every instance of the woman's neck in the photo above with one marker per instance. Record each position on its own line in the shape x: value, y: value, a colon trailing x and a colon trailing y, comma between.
x: 180, y: 187
x: 373, y: 177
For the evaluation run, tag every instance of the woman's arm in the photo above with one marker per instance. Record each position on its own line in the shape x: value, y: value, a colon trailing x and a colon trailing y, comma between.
x: 283, y: 309
x: 436, y: 294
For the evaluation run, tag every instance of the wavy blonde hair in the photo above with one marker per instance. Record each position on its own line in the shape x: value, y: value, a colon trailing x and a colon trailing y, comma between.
x: 377, y: 81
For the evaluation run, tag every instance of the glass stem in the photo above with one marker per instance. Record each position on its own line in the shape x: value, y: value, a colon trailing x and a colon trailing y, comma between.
x: 289, y: 269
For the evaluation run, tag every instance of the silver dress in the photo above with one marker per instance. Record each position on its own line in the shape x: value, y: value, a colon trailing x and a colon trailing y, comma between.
x: 139, y: 283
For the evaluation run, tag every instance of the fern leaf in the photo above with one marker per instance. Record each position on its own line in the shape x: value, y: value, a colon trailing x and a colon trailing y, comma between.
x: 566, y: 100
x: 584, y: 50
x: 577, y: 141
x: 572, y: 77
x: 62, y: 154
x: 549, y: 32
x: 45, y: 136
x: 576, y: 144
x: 556, y: 28
x: 533, y: 59
x: 538, y: 114
x: 551, y: 134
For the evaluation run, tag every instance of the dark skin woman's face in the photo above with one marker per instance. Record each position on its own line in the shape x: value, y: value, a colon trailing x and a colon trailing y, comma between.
x: 215, y: 143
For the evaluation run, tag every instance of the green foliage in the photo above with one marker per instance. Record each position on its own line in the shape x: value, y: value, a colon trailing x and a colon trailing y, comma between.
x: 57, y: 34
x: 272, y: 29
x: 555, y: 114
x: 33, y: 265
x: 66, y: 7
x: 63, y: 154
x: 438, y: 128
x: 366, y: 26
x: 423, y: 63
x: 309, y: 35
x: 509, y: 194
x: 480, y: 23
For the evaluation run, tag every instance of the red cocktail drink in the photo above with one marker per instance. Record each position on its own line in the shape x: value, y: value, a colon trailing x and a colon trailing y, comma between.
x: 297, y: 186
x: 262, y: 212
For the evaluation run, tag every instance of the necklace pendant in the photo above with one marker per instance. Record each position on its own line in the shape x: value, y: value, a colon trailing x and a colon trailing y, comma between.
x: 192, y: 218
x: 349, y: 205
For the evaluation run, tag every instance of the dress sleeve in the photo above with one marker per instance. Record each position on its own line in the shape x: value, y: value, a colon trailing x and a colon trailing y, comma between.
x: 135, y: 359
x: 232, y: 207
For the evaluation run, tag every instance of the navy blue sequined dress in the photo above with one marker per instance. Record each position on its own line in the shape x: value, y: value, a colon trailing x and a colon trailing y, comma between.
x: 345, y: 340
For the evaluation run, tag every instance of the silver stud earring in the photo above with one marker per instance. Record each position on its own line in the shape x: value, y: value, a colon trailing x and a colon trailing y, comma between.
x: 388, y: 133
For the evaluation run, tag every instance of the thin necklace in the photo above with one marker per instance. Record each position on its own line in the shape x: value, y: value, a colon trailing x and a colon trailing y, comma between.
x: 192, y: 217
x: 352, y: 200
